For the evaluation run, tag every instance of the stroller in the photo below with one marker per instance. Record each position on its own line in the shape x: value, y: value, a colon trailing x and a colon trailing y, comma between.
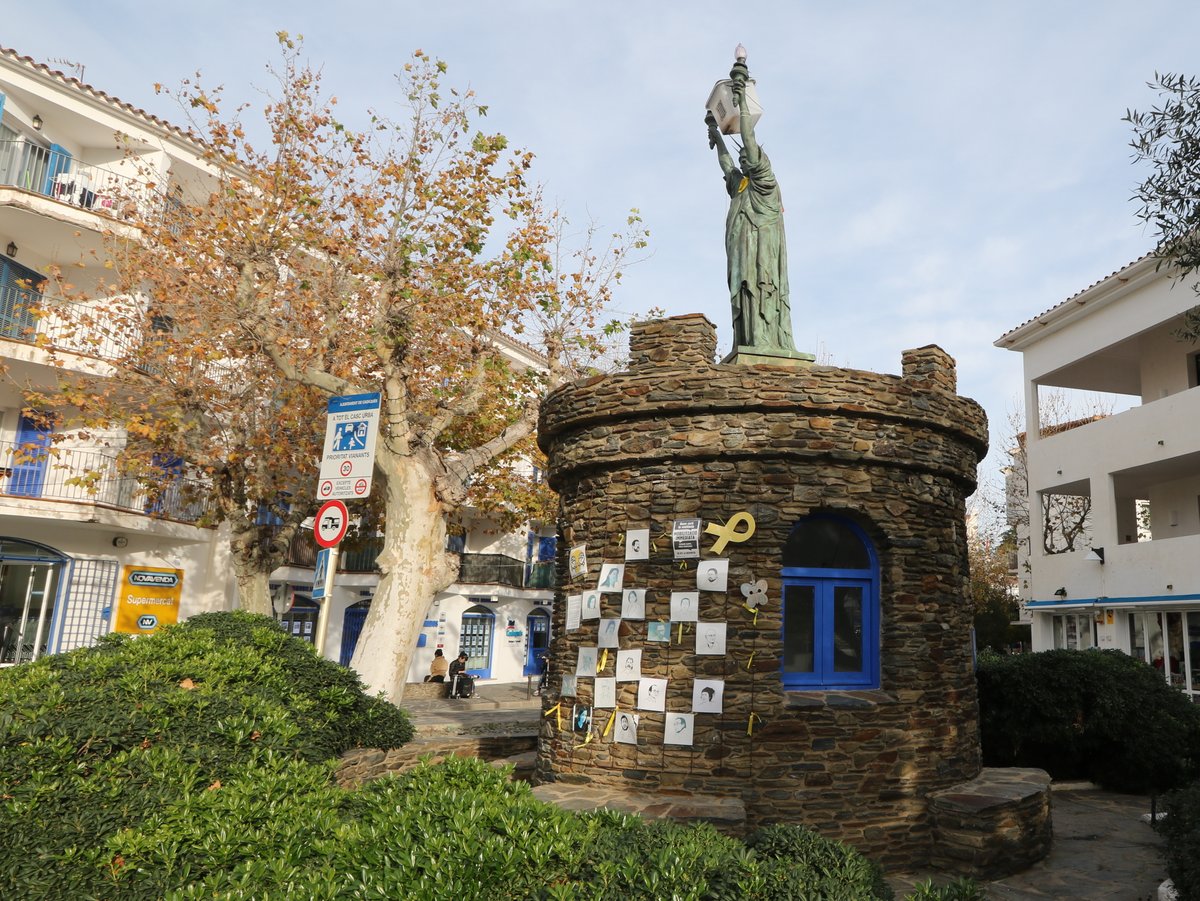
x: 462, y: 685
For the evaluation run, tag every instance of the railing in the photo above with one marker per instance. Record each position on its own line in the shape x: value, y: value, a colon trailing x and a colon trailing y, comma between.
x: 55, y: 174
x: 88, y: 477
x: 474, y: 569
x: 360, y: 558
x: 29, y: 316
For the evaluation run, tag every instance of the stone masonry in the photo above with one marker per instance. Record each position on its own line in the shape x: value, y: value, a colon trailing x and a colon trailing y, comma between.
x: 678, y: 436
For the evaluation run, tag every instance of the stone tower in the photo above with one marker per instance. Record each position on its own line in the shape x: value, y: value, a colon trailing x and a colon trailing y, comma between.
x: 849, y: 695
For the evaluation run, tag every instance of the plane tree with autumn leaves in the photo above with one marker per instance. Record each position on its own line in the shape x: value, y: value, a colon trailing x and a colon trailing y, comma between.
x: 333, y: 261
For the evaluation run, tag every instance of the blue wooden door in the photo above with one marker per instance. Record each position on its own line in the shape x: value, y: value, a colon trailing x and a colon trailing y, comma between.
x: 352, y: 625
x: 28, y: 463
x: 537, y: 630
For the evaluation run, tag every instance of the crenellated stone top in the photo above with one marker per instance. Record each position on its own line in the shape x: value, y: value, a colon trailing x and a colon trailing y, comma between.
x: 675, y: 403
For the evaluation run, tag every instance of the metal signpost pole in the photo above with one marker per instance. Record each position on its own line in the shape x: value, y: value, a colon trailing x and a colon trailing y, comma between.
x: 327, y: 599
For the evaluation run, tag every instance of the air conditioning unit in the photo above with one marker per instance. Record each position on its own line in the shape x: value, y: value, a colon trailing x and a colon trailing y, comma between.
x: 721, y: 105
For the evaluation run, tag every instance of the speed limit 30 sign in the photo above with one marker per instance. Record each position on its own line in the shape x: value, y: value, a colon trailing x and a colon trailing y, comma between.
x: 331, y: 523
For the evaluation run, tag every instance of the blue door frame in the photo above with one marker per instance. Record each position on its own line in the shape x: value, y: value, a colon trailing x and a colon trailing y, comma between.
x: 28, y: 474
x: 537, y: 633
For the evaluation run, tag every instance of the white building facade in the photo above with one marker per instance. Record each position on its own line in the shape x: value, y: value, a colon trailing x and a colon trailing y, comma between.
x: 73, y: 167
x: 1133, y: 581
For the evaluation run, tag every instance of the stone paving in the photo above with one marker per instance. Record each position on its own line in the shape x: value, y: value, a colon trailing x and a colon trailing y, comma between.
x: 1102, y: 850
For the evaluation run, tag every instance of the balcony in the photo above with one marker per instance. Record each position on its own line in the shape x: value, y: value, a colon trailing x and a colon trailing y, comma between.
x: 357, y: 557
x: 29, y: 316
x: 53, y: 173
x: 93, y: 479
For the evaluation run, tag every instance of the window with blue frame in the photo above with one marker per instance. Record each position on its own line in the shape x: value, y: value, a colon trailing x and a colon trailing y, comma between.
x: 830, y: 606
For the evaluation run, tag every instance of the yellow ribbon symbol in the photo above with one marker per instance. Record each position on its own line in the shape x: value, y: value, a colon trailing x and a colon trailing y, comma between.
x: 612, y: 717
x: 750, y: 723
x: 750, y: 661
x: 729, y: 532
x: 557, y: 711
x: 603, y: 660
x: 679, y: 640
x: 753, y: 610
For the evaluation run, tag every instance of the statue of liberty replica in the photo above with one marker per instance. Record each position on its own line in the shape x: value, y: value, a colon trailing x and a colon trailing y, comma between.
x: 755, y: 246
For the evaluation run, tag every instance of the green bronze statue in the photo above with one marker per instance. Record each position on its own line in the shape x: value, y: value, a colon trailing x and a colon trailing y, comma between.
x: 755, y: 247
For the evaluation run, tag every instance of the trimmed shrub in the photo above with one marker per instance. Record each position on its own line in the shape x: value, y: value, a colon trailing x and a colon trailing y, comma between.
x: 1098, y: 715
x: 1181, y: 828
x: 99, y: 740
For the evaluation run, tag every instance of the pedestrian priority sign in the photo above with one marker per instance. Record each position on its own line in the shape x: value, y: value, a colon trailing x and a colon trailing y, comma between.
x: 348, y: 457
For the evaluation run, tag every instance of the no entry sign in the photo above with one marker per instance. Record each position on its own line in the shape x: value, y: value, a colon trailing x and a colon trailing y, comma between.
x: 330, y: 525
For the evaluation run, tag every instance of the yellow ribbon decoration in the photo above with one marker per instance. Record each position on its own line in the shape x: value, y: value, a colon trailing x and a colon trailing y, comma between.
x: 612, y: 718
x: 750, y: 723
x: 603, y: 661
x: 589, y: 736
x: 683, y: 564
x: 753, y: 610
x: 557, y: 711
x: 729, y: 532
x: 679, y: 640
x: 750, y: 661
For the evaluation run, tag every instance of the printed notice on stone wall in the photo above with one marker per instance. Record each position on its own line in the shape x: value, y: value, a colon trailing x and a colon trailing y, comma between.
x: 684, y: 605
x: 569, y: 686
x: 685, y: 538
x: 652, y: 694
x: 574, y: 611
x: 710, y: 638
x: 612, y: 576
x: 591, y: 605
x: 629, y: 665
x: 712, y: 575
x: 577, y: 562
x: 637, y: 544
x: 658, y: 631
x: 708, y: 695
x: 610, y: 629
x: 606, y: 693
x: 627, y: 726
x: 633, y: 603
x: 679, y: 729
x: 586, y: 665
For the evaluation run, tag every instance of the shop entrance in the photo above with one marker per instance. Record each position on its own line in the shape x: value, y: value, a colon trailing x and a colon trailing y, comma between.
x: 29, y: 579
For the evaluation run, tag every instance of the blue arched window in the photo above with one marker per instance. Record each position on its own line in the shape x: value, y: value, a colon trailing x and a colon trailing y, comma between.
x: 830, y: 606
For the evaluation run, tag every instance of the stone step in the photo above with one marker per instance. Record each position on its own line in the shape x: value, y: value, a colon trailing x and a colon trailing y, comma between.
x: 725, y: 813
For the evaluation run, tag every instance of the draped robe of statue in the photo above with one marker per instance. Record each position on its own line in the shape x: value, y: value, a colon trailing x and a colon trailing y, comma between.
x: 756, y: 253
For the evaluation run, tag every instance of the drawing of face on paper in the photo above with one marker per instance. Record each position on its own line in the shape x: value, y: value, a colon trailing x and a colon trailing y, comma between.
x: 710, y: 638
x: 679, y: 729
x: 611, y: 576
x: 586, y: 665
x: 637, y: 544
x: 570, y: 685
x: 708, y: 695
x: 574, y: 611
x: 712, y: 575
x: 652, y: 694
x: 633, y: 603
x: 629, y: 665
x: 610, y: 630
x: 577, y: 562
x: 626, y: 729
x: 658, y: 631
x: 591, y: 605
x: 684, y: 605
x: 605, y: 692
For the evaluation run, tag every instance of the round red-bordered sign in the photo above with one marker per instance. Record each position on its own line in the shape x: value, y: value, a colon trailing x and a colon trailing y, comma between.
x: 331, y: 523
x: 360, y: 487
x: 326, y: 488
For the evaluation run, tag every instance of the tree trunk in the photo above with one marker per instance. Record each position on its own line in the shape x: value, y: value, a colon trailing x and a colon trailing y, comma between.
x: 415, y: 567
x: 253, y: 582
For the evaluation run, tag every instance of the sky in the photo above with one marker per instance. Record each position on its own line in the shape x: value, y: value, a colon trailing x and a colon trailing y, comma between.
x: 950, y: 169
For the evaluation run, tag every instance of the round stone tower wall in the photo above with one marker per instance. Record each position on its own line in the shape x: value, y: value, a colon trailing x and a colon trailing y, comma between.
x: 677, y: 436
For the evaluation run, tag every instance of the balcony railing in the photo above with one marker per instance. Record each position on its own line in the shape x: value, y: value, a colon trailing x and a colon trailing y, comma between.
x: 29, y: 316
x: 55, y: 174
x: 474, y: 569
x: 88, y: 477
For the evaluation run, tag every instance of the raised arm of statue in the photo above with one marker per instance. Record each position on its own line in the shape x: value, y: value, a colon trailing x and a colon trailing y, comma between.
x: 716, y: 140
x: 749, y: 144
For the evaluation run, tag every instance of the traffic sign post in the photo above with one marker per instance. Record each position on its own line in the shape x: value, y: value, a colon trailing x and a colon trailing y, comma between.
x: 329, y: 528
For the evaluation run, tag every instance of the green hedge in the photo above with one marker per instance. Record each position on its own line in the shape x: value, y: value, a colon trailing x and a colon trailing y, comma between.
x: 1098, y: 715
x: 197, y: 764
x: 99, y: 740
x: 1181, y: 827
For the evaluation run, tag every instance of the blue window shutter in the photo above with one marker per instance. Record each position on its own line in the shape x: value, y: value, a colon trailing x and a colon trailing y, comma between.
x: 60, y: 162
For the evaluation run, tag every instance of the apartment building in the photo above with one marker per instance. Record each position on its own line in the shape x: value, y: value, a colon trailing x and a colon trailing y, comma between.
x: 76, y: 164
x: 1132, y: 579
